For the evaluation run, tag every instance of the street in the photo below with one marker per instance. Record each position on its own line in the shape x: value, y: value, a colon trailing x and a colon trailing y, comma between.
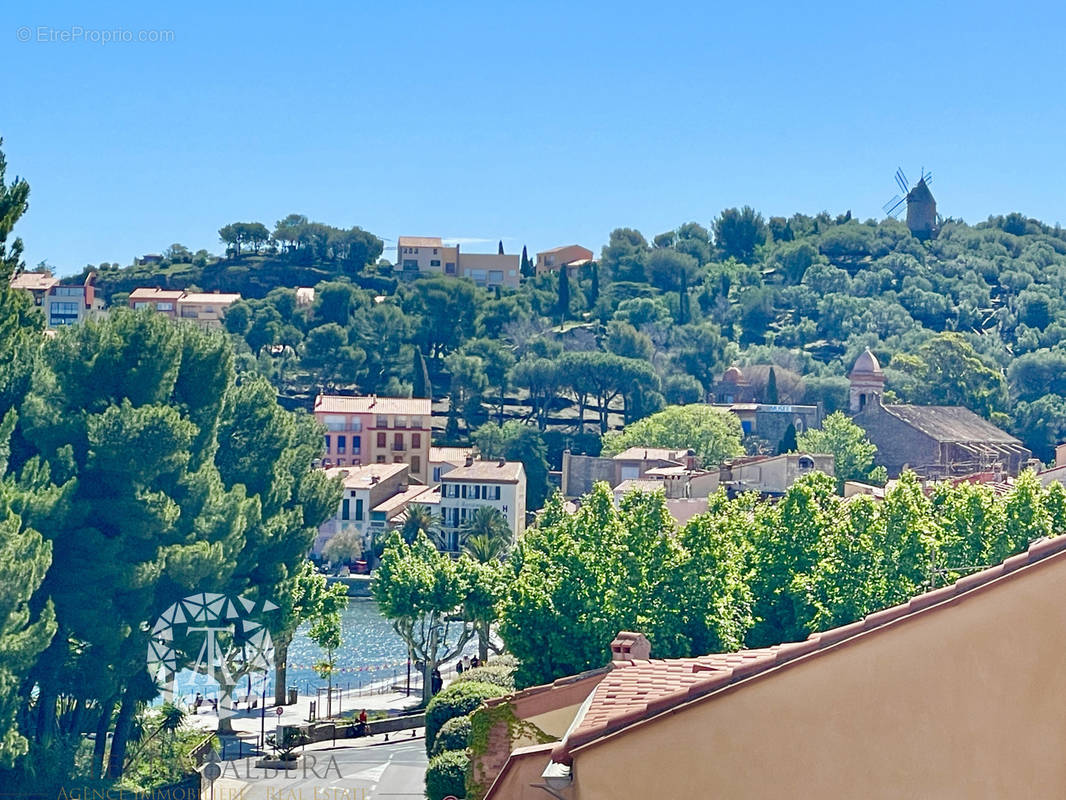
x: 393, y: 770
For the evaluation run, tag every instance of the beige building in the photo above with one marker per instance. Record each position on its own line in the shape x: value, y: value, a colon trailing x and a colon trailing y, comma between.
x: 772, y: 475
x: 498, y: 484
x: 428, y: 255
x: 954, y: 694
x: 376, y: 430
x: 206, y: 308
x: 571, y: 256
x: 443, y: 460
x: 365, y: 488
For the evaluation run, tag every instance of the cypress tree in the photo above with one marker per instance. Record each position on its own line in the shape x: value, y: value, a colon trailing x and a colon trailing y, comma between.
x: 527, y: 266
x: 563, y: 307
x: 420, y: 377
x: 771, y: 388
x: 501, y: 247
x: 788, y: 441
x: 594, y: 285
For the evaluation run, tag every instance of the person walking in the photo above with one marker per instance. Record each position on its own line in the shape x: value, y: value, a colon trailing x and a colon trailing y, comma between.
x: 438, y: 681
x: 459, y: 667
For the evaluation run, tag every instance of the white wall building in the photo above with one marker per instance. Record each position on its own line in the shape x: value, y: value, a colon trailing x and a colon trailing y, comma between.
x: 499, y: 484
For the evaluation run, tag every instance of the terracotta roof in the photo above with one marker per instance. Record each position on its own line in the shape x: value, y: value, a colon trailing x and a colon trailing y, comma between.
x: 340, y: 404
x: 491, y: 471
x: 155, y: 293
x: 642, y: 690
x: 652, y: 454
x: 34, y: 281
x: 450, y: 454
x: 419, y: 241
x: 951, y: 424
x: 399, y: 502
x: 638, y: 485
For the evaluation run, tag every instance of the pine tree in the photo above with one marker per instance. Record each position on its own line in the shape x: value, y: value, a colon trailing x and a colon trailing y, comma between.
x: 771, y: 387
x: 501, y: 247
x: 420, y: 377
x: 563, y: 306
x: 683, y: 313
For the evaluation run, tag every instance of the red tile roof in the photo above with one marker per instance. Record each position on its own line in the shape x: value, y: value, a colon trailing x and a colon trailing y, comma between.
x: 644, y: 689
x: 34, y: 281
x: 404, y: 406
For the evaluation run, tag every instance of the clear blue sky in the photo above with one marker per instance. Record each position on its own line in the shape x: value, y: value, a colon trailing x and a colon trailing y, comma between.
x: 538, y: 123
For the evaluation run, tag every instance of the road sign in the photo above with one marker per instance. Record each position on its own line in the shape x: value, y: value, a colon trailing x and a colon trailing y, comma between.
x: 212, y: 771
x: 279, y: 711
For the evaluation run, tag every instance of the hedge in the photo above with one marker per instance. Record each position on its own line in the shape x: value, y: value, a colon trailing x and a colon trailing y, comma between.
x: 499, y: 674
x: 453, y: 735
x: 446, y: 775
x: 457, y: 700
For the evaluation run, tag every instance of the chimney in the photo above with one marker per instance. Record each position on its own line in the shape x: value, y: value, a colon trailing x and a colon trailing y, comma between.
x: 629, y: 646
x: 374, y: 479
x: 502, y: 462
x: 469, y: 460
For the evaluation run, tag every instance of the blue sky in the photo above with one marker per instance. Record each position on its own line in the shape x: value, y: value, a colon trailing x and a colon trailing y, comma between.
x: 538, y: 123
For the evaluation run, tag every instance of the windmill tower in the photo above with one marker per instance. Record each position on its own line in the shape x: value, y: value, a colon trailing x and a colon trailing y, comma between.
x: 922, y: 218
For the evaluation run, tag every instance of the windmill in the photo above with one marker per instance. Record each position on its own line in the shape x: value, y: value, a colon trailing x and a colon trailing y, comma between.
x: 922, y: 218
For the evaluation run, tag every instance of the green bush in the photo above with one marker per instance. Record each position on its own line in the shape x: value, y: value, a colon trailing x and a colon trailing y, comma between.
x: 453, y: 735
x: 446, y: 774
x: 501, y: 675
x: 455, y: 701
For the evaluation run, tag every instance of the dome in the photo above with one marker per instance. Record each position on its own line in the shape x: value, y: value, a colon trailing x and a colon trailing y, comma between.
x: 733, y: 375
x: 866, y: 364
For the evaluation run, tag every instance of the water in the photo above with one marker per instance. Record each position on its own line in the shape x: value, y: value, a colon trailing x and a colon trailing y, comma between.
x: 370, y: 651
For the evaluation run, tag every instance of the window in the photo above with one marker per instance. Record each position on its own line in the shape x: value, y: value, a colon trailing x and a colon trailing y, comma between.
x: 345, y: 508
x: 342, y: 444
x: 435, y: 253
x: 436, y: 473
x: 382, y: 421
x: 164, y: 306
x: 434, y: 262
x: 806, y: 464
x: 495, y: 276
x: 381, y: 459
x: 357, y: 445
x: 140, y: 304
x: 397, y: 441
x: 397, y: 459
x: 449, y: 267
x: 416, y: 422
x: 416, y: 464
x: 462, y: 491
x: 416, y: 441
x: 359, y: 510
x: 497, y: 493
x: 355, y: 425
x: 401, y: 422
x: 327, y: 444
x: 410, y: 263
x: 381, y: 439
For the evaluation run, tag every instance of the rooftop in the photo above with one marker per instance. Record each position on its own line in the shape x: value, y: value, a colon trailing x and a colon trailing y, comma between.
x: 419, y: 241
x: 638, y: 690
x: 34, y: 281
x: 450, y: 454
x: 951, y: 424
x: 398, y: 502
x: 866, y: 364
x: 638, y: 485
x: 372, y: 404
x: 155, y: 293
x: 493, y: 471
x: 653, y: 454
x: 364, y: 477
x: 209, y: 297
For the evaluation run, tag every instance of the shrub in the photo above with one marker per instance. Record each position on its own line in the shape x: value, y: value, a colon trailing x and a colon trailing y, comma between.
x: 453, y: 735
x: 501, y: 675
x: 457, y: 700
x: 446, y: 775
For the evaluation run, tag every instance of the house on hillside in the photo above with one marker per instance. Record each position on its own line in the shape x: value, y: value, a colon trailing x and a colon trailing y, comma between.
x: 428, y: 255
x: 498, y: 484
x: 771, y: 476
x: 580, y: 473
x: 364, y: 488
x: 61, y: 303
x: 950, y: 695
x: 571, y: 256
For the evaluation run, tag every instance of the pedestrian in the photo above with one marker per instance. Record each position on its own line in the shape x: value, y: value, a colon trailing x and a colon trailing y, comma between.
x: 214, y: 705
x: 438, y: 681
x: 466, y: 662
x: 459, y: 667
x: 197, y: 702
x: 362, y: 723
x: 475, y: 663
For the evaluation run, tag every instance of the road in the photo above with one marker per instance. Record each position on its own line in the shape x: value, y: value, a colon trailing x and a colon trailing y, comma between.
x: 387, y: 772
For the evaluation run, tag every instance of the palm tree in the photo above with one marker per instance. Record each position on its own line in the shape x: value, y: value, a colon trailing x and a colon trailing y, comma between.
x: 420, y: 519
x: 489, y: 527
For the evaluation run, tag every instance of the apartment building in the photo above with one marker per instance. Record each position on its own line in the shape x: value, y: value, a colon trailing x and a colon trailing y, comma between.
x: 365, y: 488
x: 428, y: 255
x: 206, y: 309
x: 570, y: 256
x: 162, y: 301
x: 499, y: 484
x: 61, y: 304
x: 376, y: 430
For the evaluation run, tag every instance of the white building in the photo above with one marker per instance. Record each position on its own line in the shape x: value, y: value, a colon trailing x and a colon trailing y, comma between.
x: 499, y: 484
x: 365, y: 488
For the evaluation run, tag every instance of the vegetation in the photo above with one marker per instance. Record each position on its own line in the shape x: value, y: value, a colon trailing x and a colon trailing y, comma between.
x: 455, y: 701
x: 446, y: 775
x: 714, y: 434
x: 453, y: 735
